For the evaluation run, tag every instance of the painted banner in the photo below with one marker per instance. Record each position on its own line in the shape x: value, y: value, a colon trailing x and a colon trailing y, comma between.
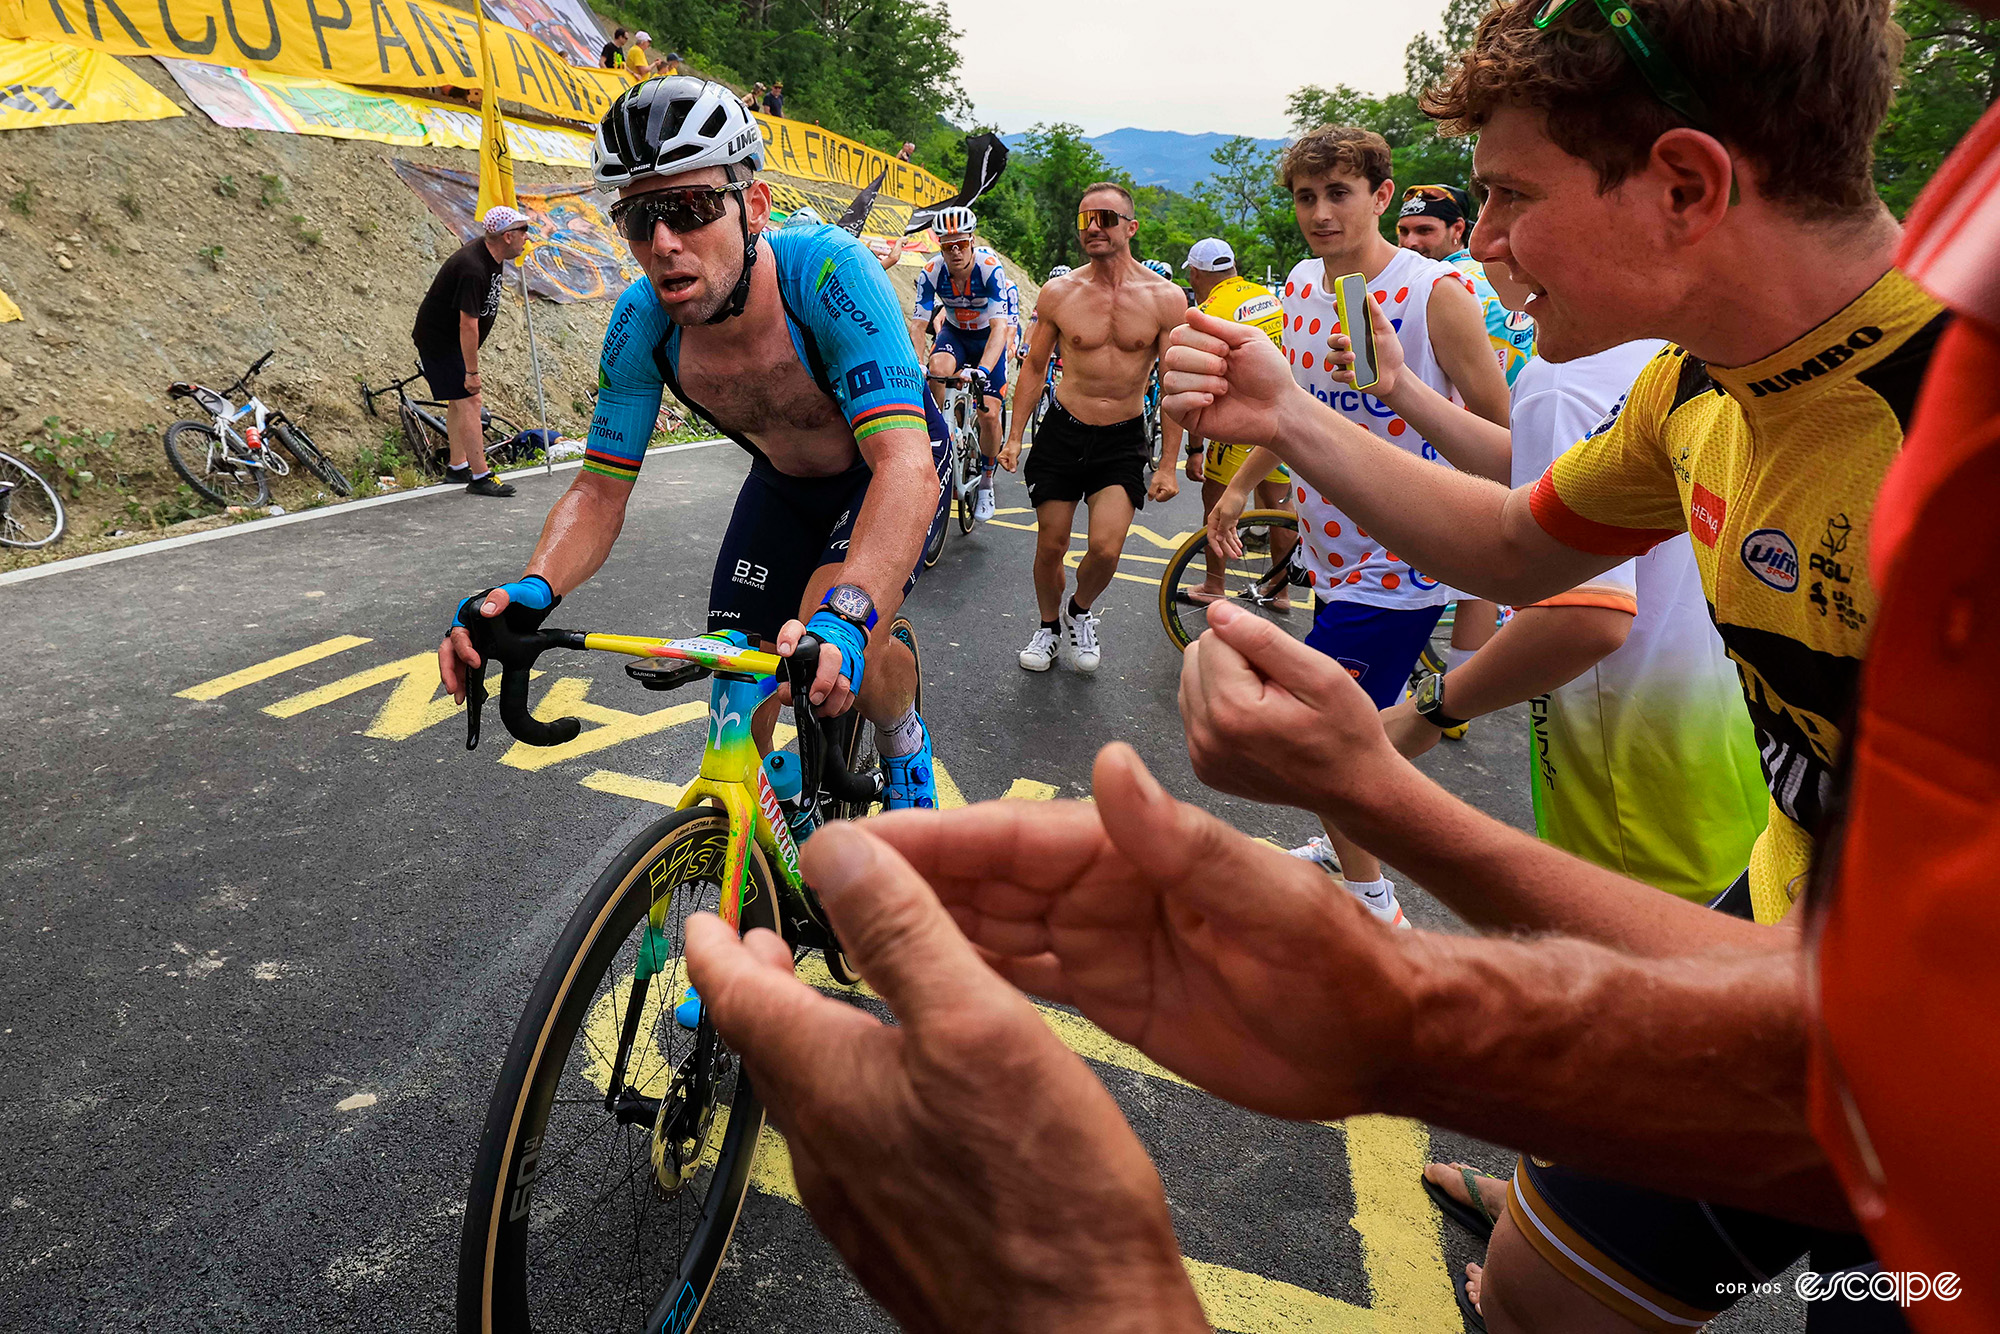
x: 563, y: 24
x: 455, y: 127
x: 574, y: 253
x: 9, y: 312
x: 383, y: 43
x: 289, y: 105
x: 43, y: 83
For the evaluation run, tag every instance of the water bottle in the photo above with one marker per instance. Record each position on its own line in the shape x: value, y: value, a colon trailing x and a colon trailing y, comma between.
x: 781, y: 768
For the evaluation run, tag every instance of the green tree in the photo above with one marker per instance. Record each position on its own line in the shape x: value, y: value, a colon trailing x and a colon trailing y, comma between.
x: 1947, y: 82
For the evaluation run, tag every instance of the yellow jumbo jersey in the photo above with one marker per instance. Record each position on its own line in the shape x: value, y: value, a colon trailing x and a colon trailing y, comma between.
x: 1773, y: 469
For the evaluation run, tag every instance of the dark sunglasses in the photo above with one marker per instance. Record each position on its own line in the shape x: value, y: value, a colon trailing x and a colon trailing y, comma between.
x: 683, y: 208
x: 1107, y: 218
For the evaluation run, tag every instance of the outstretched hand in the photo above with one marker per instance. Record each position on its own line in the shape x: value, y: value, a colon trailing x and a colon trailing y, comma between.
x: 969, y: 1167
x: 1241, y: 969
x: 1225, y: 381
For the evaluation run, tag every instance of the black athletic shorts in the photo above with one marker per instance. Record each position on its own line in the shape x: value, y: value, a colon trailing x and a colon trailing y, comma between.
x: 1669, y: 1263
x: 444, y: 370
x: 784, y: 528
x: 1072, y: 460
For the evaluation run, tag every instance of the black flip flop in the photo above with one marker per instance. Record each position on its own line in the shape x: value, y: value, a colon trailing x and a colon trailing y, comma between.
x: 1472, y: 1217
x: 1473, y: 1320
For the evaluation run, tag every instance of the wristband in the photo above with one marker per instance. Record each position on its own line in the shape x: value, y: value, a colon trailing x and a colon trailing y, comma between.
x: 846, y: 637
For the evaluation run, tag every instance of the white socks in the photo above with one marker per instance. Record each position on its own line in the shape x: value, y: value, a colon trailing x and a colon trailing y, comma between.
x: 1378, y: 893
x: 905, y: 736
x: 1454, y: 657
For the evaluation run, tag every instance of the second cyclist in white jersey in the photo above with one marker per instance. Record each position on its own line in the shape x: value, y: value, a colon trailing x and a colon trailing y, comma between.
x: 980, y: 304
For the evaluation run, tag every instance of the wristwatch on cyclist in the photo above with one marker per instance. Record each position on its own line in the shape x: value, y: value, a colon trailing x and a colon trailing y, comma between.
x: 853, y: 605
x: 1430, y: 704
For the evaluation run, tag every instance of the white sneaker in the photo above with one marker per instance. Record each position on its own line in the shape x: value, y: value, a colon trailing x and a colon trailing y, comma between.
x: 982, y: 509
x: 1320, y: 853
x: 1040, y: 653
x: 1082, y: 633
x: 1389, y: 914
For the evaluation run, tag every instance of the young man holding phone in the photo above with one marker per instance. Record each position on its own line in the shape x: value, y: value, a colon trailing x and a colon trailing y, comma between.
x: 1375, y: 612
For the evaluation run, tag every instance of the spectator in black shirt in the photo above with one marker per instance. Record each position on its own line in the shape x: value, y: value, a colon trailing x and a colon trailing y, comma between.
x: 452, y: 324
x: 613, y: 54
x: 774, y: 101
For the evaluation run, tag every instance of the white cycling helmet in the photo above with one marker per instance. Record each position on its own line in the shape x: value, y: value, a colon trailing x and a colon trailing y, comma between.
x: 1159, y: 266
x: 672, y: 125
x: 804, y: 216
x: 956, y: 223
x: 1059, y: 271
x: 667, y: 126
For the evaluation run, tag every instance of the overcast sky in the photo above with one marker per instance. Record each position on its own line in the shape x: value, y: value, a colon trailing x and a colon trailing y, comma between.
x: 1224, y: 65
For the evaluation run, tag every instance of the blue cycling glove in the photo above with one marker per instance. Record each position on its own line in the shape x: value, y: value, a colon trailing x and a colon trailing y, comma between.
x: 529, y: 602
x: 848, y: 638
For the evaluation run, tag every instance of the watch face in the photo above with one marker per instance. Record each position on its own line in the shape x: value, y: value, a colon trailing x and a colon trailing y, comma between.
x: 1427, y: 693
x: 850, y: 602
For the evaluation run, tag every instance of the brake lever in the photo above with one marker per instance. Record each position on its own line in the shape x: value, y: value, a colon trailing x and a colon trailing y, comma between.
x: 475, y: 703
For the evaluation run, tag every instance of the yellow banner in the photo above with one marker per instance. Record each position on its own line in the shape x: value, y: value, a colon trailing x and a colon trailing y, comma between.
x: 455, y: 127
x: 385, y: 43
x: 42, y: 83
x: 496, y: 161
x: 8, y: 310
x: 798, y: 149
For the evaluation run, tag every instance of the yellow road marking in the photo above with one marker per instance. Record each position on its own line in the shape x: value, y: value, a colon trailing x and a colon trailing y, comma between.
x: 630, y: 785
x: 566, y: 699
x: 415, y: 704
x: 1027, y: 789
x: 264, y: 671
x: 1401, y: 1251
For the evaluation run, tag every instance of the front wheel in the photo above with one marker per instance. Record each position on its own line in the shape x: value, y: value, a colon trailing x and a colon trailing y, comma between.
x: 1265, y: 579
x: 31, y: 514
x: 301, y: 447
x: 430, y: 449
x: 970, y: 461
x: 619, y: 1145
x: 941, y: 521
x: 218, y: 473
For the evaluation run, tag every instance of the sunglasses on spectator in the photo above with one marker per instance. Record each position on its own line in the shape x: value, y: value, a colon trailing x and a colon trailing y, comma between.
x: 683, y: 208
x: 1661, y: 75
x: 1106, y: 218
x: 1455, y: 197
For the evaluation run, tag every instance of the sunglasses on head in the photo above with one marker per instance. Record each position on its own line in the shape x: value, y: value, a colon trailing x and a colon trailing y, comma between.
x: 1669, y: 85
x: 1106, y: 218
x: 683, y: 208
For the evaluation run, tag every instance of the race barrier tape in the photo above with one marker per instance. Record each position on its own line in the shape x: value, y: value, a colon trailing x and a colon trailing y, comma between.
x: 43, y: 83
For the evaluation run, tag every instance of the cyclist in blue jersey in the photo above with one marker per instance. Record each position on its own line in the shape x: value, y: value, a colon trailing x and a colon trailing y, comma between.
x: 789, y: 341
x: 980, y: 304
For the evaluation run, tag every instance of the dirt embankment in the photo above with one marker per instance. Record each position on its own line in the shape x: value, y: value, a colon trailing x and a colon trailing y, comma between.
x: 144, y: 253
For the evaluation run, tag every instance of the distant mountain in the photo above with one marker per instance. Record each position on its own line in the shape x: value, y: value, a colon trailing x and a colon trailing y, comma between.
x: 1160, y: 157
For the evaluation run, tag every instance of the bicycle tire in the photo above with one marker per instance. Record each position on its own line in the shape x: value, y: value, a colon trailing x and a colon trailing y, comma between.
x: 1185, y: 619
x: 31, y: 514
x: 969, y: 459
x: 428, y: 451
x: 301, y: 447
x: 941, y: 521
x: 219, y: 480
x: 514, y: 1181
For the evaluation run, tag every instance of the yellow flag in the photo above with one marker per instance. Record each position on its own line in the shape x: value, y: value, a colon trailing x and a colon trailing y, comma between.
x: 496, y: 164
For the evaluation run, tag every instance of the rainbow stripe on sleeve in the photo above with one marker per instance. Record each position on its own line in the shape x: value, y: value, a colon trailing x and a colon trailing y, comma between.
x: 610, y: 465
x: 888, y: 417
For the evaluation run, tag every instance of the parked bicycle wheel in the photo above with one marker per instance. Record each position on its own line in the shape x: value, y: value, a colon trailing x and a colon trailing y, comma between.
x: 618, y: 1146
x: 429, y: 447
x: 301, y: 447
x: 1270, y: 584
x: 31, y: 513
x: 209, y: 465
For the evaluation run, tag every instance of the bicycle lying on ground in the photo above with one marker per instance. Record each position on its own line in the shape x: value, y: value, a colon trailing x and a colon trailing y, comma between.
x: 228, y: 459
x: 429, y: 440
x: 618, y: 1147
x: 31, y: 514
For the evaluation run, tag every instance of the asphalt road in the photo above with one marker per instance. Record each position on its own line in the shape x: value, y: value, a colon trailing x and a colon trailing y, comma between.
x: 265, y: 945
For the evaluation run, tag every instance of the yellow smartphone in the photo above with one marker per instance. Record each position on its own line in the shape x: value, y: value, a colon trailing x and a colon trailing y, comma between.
x: 1350, y: 300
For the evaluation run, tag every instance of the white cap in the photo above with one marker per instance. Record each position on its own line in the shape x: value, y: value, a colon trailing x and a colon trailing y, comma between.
x: 642, y: 37
x: 500, y: 219
x: 1211, y: 255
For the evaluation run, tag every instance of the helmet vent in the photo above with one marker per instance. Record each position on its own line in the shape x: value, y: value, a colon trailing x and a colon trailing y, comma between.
x: 716, y: 120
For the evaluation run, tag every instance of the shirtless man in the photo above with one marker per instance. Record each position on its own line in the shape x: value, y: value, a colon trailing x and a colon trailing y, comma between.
x: 1111, y: 318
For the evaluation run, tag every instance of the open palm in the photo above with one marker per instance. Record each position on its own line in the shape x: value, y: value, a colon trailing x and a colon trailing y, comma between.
x: 1241, y: 969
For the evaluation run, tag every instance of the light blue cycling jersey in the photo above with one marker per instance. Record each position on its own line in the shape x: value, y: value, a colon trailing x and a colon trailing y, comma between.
x: 986, y: 298
x: 1511, y: 333
x: 846, y: 327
